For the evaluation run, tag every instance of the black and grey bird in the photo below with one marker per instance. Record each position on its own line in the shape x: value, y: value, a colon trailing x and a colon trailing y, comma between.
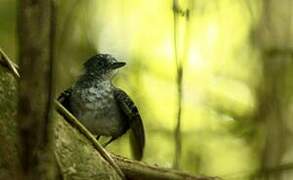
x: 103, y: 108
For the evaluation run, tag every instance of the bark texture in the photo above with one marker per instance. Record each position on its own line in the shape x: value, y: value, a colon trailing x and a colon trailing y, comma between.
x: 77, y: 158
x: 9, y: 161
x: 35, y: 34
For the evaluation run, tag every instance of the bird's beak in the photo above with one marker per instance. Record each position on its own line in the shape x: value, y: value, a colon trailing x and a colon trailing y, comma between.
x: 117, y: 65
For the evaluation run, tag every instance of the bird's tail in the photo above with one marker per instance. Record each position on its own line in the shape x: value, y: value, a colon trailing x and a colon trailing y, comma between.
x: 137, y: 140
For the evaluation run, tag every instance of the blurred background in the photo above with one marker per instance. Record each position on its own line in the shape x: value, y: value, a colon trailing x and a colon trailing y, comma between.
x: 235, y: 92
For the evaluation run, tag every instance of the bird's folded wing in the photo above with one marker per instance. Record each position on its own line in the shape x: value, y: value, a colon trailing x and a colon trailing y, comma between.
x: 137, y: 136
x: 64, y: 98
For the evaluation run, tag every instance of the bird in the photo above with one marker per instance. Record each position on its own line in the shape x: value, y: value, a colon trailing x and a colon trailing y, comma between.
x: 103, y: 108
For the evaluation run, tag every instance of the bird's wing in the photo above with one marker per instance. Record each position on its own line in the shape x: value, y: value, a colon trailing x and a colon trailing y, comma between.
x: 64, y: 98
x: 137, y: 136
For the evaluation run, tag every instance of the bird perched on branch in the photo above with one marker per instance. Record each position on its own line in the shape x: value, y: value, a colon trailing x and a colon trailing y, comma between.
x: 103, y: 108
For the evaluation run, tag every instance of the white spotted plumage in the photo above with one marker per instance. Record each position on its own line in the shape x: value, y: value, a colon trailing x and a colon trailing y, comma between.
x: 97, y: 109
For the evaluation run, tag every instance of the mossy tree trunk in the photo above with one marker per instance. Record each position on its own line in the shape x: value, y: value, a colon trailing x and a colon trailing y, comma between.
x: 9, y: 155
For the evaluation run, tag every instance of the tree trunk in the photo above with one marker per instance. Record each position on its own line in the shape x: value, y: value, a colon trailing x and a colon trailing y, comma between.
x: 35, y: 33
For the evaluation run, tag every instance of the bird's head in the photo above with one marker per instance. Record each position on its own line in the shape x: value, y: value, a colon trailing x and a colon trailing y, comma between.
x: 102, y: 65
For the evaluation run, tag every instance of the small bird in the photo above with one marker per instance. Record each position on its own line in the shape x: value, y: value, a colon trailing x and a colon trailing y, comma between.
x: 103, y: 108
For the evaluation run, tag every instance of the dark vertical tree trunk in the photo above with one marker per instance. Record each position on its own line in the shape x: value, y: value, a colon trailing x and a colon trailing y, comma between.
x: 274, y: 36
x: 35, y: 88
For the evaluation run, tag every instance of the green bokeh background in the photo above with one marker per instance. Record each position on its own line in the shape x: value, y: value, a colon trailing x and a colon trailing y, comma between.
x: 222, y: 72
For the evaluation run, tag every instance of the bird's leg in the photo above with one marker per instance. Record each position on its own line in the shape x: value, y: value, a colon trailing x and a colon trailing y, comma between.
x: 108, y: 142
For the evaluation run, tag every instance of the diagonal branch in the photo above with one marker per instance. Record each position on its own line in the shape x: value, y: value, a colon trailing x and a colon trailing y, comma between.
x: 6, y: 62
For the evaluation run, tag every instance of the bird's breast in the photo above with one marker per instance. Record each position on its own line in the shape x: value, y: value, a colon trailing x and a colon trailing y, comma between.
x: 97, y: 109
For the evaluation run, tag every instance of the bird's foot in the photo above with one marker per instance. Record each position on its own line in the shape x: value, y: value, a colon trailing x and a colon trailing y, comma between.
x: 108, y: 142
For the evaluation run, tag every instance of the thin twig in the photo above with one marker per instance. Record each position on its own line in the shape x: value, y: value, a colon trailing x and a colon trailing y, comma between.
x: 177, y: 133
x: 6, y: 62
x: 177, y: 11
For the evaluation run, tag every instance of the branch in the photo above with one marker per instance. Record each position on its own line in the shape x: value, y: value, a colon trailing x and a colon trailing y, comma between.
x: 179, y: 58
x: 7, y: 63
x: 140, y: 170
x: 177, y: 131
